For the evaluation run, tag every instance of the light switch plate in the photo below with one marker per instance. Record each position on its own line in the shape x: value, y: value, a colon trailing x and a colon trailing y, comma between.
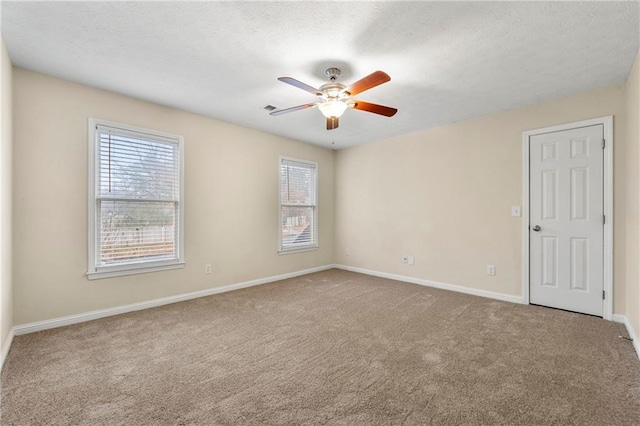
x: 491, y: 269
x: 515, y: 211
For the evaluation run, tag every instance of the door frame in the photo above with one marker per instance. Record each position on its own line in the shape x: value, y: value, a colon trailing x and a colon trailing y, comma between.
x: 607, y: 123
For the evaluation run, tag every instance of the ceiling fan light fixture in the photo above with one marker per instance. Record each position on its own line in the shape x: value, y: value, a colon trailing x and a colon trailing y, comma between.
x: 333, y: 108
x: 334, y: 98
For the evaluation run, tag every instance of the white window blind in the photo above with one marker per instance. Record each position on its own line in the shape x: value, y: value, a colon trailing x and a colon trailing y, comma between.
x: 137, y: 200
x: 298, y: 205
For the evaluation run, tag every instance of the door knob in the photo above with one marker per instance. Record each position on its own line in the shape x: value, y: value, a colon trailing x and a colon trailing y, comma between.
x: 536, y: 228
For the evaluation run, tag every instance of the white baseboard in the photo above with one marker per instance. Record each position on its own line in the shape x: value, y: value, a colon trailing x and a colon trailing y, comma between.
x: 6, y: 345
x: 624, y: 320
x: 102, y: 313
x: 618, y: 318
x: 443, y: 286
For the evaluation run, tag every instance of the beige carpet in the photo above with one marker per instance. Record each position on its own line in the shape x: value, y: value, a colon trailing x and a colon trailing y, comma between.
x: 328, y: 348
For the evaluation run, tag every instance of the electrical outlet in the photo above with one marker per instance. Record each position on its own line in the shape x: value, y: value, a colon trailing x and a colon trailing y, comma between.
x: 491, y: 269
x: 347, y: 252
x: 405, y: 258
x: 207, y: 268
x: 412, y: 261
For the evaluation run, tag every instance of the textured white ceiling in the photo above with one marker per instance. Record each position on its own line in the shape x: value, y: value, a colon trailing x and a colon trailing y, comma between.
x: 448, y: 61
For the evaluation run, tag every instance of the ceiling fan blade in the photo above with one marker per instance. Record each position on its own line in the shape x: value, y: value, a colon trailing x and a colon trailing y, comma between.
x: 332, y: 123
x: 375, y: 108
x: 370, y: 81
x: 292, y: 109
x: 300, y: 85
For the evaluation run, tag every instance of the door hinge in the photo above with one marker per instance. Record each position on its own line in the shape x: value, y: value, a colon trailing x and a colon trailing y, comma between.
x: 604, y: 219
x: 603, y: 294
x: 603, y: 143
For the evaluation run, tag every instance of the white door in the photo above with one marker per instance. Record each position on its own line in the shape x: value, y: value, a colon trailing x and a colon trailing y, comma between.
x: 566, y: 219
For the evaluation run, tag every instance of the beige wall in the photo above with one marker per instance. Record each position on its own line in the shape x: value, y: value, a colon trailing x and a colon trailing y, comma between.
x: 6, y: 302
x: 444, y: 195
x: 231, y: 200
x: 633, y: 194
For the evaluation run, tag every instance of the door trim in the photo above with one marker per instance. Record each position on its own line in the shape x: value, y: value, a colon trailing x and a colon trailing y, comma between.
x: 607, y: 123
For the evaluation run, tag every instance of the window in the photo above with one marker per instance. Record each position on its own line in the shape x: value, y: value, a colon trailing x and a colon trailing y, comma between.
x: 135, y: 200
x: 298, y: 205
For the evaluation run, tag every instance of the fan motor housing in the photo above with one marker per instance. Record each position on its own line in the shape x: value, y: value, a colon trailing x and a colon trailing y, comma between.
x: 332, y: 90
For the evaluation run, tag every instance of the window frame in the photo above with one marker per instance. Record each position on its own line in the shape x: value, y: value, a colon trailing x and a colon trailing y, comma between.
x: 314, y: 245
x: 94, y: 271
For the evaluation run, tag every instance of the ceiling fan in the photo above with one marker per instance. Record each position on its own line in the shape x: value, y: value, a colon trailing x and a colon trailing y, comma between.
x: 334, y: 98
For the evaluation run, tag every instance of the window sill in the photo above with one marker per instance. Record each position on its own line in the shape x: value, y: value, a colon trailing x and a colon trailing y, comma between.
x: 142, y: 270
x: 298, y: 250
